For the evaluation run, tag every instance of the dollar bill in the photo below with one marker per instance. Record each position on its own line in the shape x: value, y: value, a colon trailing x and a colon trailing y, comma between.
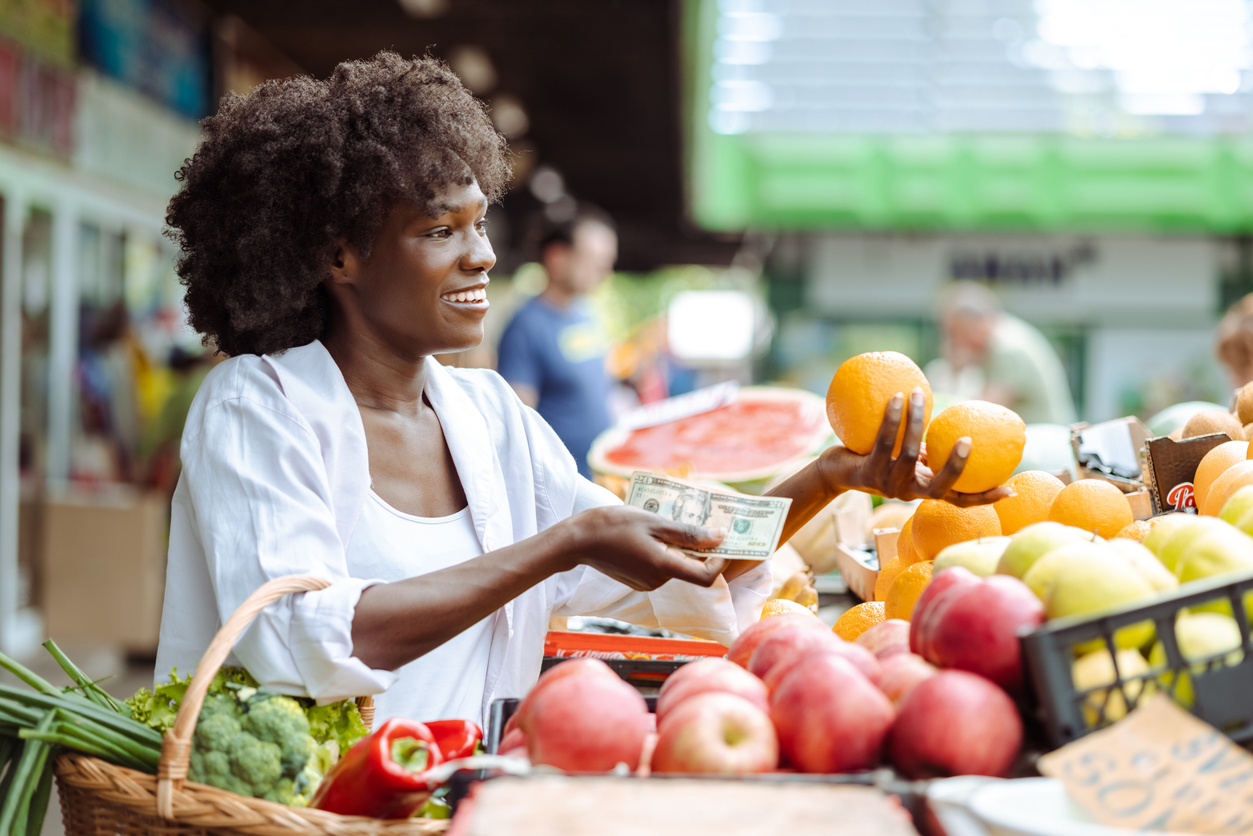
x: 753, y: 523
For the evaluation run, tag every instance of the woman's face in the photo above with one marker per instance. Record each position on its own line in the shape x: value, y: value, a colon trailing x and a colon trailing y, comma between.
x: 423, y: 289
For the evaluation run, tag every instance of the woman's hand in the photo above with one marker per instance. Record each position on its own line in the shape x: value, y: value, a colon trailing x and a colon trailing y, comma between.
x: 641, y: 549
x: 907, y: 476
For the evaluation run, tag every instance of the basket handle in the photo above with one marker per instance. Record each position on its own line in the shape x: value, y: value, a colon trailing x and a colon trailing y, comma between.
x: 176, y: 746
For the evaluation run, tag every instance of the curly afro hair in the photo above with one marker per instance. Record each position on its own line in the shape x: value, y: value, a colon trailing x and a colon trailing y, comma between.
x: 288, y: 169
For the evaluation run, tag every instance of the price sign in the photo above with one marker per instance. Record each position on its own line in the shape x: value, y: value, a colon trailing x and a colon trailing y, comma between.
x: 1159, y: 768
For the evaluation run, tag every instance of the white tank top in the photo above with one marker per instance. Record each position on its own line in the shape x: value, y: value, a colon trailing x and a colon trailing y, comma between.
x: 448, y: 682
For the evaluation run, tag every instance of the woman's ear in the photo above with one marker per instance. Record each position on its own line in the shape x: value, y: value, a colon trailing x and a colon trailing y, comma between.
x: 345, y: 261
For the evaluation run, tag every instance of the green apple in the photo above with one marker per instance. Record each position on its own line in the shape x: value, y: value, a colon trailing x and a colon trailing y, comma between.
x: 979, y: 556
x: 1163, y: 527
x: 1096, y: 669
x: 1039, y: 578
x: 1227, y: 549
x: 1182, y: 536
x: 1237, y: 507
x: 1096, y: 585
x: 1035, y: 541
x: 1145, y: 562
x: 1200, y: 636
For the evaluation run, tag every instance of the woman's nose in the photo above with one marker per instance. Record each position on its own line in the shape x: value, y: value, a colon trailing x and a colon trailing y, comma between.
x: 480, y: 255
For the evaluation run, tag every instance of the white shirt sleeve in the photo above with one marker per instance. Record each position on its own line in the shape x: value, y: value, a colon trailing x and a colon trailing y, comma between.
x: 261, y: 506
x: 718, y: 613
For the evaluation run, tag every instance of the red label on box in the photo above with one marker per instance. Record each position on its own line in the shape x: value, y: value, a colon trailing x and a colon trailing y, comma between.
x: 1180, y: 497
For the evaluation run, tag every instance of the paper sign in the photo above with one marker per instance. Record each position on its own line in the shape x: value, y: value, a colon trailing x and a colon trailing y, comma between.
x: 1159, y: 768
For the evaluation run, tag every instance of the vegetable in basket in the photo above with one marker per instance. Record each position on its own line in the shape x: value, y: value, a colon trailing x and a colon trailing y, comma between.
x: 386, y: 775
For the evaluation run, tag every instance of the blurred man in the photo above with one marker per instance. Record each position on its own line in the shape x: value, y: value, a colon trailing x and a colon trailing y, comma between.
x: 1019, y: 368
x: 553, y: 351
x: 1235, y: 341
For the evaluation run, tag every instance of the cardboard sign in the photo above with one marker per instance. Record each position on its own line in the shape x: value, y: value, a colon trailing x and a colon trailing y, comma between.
x: 1170, y: 467
x: 1159, y: 768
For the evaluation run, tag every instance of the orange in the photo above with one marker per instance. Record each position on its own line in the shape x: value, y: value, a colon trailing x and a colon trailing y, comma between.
x: 858, y: 620
x: 905, y: 544
x: 858, y: 397
x: 782, y: 606
x: 1138, y: 530
x: 887, y: 573
x: 1092, y: 505
x: 1228, y: 482
x: 1213, y: 464
x: 938, y: 525
x: 906, y: 590
x: 1035, y: 491
x: 996, y: 434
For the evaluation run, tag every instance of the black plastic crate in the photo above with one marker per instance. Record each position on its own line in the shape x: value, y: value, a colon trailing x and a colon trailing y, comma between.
x: 1222, y: 687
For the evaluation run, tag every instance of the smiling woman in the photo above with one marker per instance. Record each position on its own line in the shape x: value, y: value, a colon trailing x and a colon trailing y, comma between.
x: 333, y: 240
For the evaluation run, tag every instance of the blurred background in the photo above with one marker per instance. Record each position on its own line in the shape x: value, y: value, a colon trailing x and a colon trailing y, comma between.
x: 792, y: 182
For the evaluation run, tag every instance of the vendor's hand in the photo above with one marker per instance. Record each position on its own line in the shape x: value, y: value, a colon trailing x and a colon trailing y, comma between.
x: 906, y: 476
x: 638, y: 548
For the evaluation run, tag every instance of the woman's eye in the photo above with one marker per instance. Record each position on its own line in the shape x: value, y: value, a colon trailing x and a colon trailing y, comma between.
x: 481, y: 226
x: 442, y: 232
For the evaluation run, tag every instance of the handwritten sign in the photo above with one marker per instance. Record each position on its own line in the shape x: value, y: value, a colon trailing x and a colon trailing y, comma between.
x: 1159, y: 768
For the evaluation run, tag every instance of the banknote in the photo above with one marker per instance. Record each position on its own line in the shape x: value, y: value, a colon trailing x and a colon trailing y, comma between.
x: 753, y: 523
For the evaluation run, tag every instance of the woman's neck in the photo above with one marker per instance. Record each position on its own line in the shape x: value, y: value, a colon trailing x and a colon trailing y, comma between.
x: 379, y: 376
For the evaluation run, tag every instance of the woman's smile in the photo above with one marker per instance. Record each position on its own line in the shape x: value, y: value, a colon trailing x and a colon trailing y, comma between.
x: 470, y: 299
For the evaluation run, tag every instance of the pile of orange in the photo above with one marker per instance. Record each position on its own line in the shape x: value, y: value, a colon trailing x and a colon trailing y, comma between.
x: 938, y: 525
x: 858, y: 620
x: 1034, y: 491
x: 904, y: 592
x: 782, y: 606
x: 1092, y: 505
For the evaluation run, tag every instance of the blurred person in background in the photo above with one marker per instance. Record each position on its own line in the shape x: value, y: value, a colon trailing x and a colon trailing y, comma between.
x: 553, y: 351
x: 1235, y: 342
x: 995, y: 356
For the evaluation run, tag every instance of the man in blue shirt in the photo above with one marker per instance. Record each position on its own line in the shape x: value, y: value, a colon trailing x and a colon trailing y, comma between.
x: 553, y: 351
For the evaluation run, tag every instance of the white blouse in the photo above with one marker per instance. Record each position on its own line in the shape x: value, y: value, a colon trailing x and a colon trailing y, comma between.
x: 275, y: 477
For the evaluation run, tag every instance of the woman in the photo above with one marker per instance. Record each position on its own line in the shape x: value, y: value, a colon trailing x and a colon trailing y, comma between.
x: 333, y: 239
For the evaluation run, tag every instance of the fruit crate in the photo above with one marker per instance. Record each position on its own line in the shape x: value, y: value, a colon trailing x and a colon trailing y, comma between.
x: 1221, y: 683
x: 640, y: 660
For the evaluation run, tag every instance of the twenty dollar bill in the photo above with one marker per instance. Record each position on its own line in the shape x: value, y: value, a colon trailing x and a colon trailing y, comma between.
x: 753, y: 523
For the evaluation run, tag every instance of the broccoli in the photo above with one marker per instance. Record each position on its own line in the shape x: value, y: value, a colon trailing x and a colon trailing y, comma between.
x: 253, y: 743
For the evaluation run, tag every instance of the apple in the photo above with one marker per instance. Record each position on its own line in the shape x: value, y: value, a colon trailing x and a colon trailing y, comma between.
x: 1144, y: 562
x: 1237, y: 507
x: 716, y: 733
x: 901, y: 673
x: 1181, y: 537
x: 1044, y: 572
x: 886, y: 638
x: 1164, y: 527
x: 829, y: 717
x: 573, y: 667
x: 1035, y: 541
x: 940, y: 584
x: 856, y: 655
x: 1200, y: 636
x: 1088, y: 587
x: 587, y: 724
x: 980, y: 556
x: 711, y: 675
x: 742, y: 648
x: 1227, y: 549
x: 512, y: 743
x: 955, y: 723
x: 1096, y: 669
x: 788, y: 642
x: 975, y: 627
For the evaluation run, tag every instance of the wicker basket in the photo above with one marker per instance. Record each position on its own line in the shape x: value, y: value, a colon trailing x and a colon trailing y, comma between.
x: 101, y: 799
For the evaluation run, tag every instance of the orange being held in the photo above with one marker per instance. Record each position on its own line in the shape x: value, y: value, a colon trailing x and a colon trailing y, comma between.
x: 938, y: 525
x: 1092, y: 505
x: 905, y: 591
x: 1213, y: 464
x: 1034, y: 492
x: 997, y: 436
x: 859, y: 393
x: 858, y: 620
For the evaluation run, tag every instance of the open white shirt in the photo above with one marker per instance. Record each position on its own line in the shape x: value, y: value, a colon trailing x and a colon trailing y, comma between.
x: 275, y: 477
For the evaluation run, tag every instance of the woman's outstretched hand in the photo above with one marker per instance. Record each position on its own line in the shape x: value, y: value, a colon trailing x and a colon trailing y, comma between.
x: 906, y: 476
x: 642, y: 549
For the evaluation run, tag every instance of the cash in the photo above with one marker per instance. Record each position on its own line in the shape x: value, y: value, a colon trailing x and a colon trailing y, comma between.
x: 753, y: 523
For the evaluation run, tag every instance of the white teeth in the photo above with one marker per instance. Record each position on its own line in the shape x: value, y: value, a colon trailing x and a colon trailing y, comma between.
x: 478, y: 295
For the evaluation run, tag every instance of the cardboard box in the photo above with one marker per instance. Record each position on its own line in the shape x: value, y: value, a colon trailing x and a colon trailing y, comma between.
x: 1110, y: 451
x: 1170, y: 467
x: 104, y: 567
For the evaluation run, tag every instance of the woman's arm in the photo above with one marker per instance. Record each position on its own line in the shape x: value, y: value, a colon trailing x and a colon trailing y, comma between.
x: 396, y: 623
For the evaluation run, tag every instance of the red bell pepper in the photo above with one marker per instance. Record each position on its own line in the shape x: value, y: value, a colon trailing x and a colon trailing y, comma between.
x: 382, y: 775
x: 456, y: 738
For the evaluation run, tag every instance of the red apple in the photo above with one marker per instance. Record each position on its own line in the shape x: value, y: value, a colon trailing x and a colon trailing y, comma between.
x: 886, y: 638
x: 786, y: 643
x: 955, y: 723
x: 855, y: 654
x: 941, y: 582
x: 742, y: 648
x: 829, y: 717
x: 975, y: 627
x: 587, y: 724
x: 512, y: 743
x: 711, y: 675
x: 716, y: 733
x: 558, y: 672
x: 901, y: 672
